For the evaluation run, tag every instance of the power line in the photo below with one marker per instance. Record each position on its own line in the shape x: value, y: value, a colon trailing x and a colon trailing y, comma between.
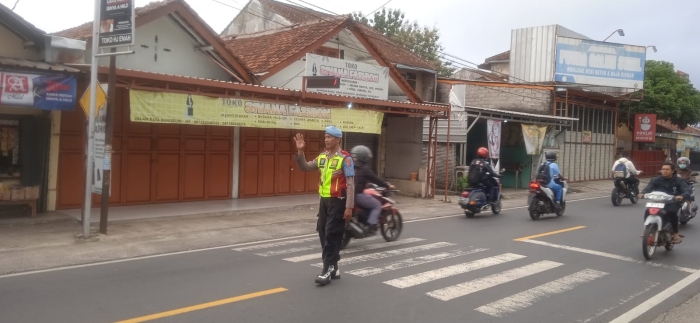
x: 373, y: 11
x: 239, y: 9
x: 316, y: 7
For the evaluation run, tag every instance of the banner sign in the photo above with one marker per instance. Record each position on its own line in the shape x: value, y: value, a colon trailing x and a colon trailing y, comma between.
x: 591, y: 62
x: 493, y: 129
x: 159, y: 107
x: 116, y: 23
x: 534, y: 138
x: 357, y: 80
x: 46, y: 92
x: 645, y: 128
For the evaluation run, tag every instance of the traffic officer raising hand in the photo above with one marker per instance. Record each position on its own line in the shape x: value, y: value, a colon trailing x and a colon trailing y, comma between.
x: 337, y: 191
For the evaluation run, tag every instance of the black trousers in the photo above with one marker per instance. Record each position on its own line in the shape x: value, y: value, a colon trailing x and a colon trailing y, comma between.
x: 330, y: 227
x: 671, y: 215
x: 491, y: 185
x: 632, y: 183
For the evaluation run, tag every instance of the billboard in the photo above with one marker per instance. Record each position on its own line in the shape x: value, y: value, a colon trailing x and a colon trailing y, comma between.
x: 591, y: 62
x: 116, y: 23
x: 645, y: 128
x: 40, y: 91
x: 357, y: 80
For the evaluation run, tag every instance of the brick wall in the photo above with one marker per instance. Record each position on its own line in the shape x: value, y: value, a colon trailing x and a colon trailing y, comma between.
x: 512, y: 99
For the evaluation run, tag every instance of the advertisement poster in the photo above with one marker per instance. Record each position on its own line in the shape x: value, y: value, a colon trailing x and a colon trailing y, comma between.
x: 116, y: 23
x: 599, y: 63
x: 46, y: 92
x: 99, y: 148
x: 645, y: 128
x: 587, y: 137
x: 534, y: 138
x: 159, y: 107
x: 357, y: 80
x: 494, y: 138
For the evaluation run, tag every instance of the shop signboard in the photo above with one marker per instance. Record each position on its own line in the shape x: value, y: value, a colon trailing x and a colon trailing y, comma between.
x: 40, y: 91
x: 599, y: 63
x: 358, y: 80
x: 161, y: 107
x: 116, y: 23
x: 645, y: 128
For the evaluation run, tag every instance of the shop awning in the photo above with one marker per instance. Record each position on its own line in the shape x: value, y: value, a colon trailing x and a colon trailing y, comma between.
x: 23, y: 63
x: 514, y: 116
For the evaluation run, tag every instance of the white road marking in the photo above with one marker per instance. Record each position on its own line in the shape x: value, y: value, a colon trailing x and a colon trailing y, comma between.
x: 609, y: 255
x: 389, y: 253
x: 369, y: 271
x: 290, y: 250
x: 428, y: 276
x: 276, y: 244
x: 524, y: 299
x: 621, y: 302
x: 356, y: 249
x: 479, y: 284
x: 657, y: 299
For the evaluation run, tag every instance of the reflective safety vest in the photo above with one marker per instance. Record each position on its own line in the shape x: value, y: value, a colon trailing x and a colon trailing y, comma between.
x: 332, y: 182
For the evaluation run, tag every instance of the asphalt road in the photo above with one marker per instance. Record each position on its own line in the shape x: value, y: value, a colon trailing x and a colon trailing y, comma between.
x: 587, y: 268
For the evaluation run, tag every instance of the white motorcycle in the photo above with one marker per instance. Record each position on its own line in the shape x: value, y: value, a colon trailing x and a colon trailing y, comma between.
x: 541, y: 200
x: 657, y: 230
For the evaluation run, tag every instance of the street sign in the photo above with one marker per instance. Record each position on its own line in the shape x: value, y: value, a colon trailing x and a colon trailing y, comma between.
x: 100, y: 101
x: 116, y: 23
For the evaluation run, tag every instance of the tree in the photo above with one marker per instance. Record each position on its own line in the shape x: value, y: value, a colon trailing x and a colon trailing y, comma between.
x: 422, y: 41
x: 668, y: 95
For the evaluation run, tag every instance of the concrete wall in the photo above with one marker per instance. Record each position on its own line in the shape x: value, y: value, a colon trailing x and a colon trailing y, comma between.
x: 403, y: 147
x: 249, y: 21
x: 502, y: 68
x: 12, y: 46
x: 511, y: 99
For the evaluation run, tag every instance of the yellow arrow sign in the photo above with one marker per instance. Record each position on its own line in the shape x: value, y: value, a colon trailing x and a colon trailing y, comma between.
x: 100, y: 101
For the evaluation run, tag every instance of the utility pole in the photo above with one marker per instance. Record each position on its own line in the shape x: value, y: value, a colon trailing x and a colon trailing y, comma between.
x: 107, y: 169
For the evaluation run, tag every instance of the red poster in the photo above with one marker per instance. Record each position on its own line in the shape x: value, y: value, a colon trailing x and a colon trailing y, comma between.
x: 645, y: 128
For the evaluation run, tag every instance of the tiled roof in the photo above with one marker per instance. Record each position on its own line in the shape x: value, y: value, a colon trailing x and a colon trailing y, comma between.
x: 392, y: 51
x: 668, y: 125
x: 84, y: 31
x: 19, y: 25
x: 485, y: 75
x: 294, y: 14
x: 259, y: 52
x: 505, y: 56
x: 13, y: 62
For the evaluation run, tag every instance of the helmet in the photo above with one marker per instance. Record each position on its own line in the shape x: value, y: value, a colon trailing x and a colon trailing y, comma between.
x: 482, y: 152
x: 361, y: 154
x: 550, y: 155
x: 683, y: 162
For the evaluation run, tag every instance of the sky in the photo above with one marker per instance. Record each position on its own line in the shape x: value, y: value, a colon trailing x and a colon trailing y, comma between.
x: 471, y: 30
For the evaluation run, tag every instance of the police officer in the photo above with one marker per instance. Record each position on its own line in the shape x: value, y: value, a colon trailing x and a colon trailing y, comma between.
x: 337, y: 190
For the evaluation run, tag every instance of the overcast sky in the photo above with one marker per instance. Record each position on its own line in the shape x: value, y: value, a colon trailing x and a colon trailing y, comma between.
x: 472, y: 30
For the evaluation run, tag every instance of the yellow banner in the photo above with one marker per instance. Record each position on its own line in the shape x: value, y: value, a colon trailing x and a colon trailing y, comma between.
x: 159, y: 107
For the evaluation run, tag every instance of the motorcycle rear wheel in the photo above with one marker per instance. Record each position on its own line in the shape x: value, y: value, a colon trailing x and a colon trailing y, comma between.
x: 650, y: 239
x: 393, y: 226
x: 615, y: 197
x: 534, y: 213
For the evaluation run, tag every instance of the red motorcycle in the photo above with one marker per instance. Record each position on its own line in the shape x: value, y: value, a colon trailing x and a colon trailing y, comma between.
x: 390, y: 220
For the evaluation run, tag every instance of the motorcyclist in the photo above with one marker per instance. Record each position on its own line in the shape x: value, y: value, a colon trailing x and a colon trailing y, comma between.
x: 669, y: 183
x: 481, y: 172
x: 364, y: 175
x: 630, y: 178
x: 555, y: 175
x: 686, y: 174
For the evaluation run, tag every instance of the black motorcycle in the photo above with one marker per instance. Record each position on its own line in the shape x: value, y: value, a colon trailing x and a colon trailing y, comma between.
x: 622, y: 191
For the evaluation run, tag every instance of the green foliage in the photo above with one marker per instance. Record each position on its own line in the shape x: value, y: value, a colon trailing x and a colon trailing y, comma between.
x: 422, y: 41
x: 462, y: 183
x: 669, y: 95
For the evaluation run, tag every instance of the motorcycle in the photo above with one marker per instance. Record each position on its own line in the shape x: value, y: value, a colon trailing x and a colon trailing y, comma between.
x: 474, y: 200
x: 621, y: 191
x: 541, y: 200
x: 657, y: 230
x: 390, y: 219
x: 689, y: 209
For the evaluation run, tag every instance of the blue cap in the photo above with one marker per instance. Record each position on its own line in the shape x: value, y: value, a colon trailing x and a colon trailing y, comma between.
x: 333, y: 131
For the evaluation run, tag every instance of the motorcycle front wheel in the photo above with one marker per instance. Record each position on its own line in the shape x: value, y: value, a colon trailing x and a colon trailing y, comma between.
x: 561, y: 211
x: 346, y: 240
x: 496, y: 207
x: 392, y: 227
x: 649, y: 240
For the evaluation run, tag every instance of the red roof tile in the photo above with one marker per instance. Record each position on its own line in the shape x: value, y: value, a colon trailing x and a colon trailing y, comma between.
x: 499, y: 57
x: 260, y: 52
x: 84, y: 31
x: 668, y: 125
x: 391, y: 50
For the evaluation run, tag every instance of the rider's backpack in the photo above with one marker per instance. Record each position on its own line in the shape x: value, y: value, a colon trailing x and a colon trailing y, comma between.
x: 476, y: 171
x: 543, y: 174
x: 620, y: 170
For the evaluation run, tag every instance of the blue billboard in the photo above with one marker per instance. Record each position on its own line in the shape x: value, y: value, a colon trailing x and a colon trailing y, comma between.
x: 599, y: 63
x: 40, y: 91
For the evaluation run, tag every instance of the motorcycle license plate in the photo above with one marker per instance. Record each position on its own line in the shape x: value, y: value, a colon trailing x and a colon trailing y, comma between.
x: 656, y: 205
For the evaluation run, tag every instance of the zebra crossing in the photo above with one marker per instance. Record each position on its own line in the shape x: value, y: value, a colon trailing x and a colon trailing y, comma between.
x: 357, y: 261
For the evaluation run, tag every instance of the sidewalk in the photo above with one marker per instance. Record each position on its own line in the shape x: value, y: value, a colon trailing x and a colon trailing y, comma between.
x: 47, y: 245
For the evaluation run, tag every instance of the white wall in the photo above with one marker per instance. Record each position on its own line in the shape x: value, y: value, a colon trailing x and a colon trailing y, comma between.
x: 183, y: 58
x: 11, y: 46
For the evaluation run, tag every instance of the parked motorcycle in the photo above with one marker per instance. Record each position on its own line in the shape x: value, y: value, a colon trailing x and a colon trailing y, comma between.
x: 542, y: 200
x: 474, y: 200
x: 621, y: 191
x: 657, y: 230
x: 390, y: 220
x: 689, y: 209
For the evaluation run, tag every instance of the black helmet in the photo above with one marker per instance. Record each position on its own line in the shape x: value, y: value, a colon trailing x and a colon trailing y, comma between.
x: 361, y: 154
x: 550, y: 155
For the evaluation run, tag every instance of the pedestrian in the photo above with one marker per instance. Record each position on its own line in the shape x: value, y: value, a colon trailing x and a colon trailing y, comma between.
x: 337, y: 191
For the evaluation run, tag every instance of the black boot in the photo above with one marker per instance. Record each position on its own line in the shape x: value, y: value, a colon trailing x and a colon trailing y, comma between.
x: 372, y: 230
x: 325, y: 276
x: 336, y: 273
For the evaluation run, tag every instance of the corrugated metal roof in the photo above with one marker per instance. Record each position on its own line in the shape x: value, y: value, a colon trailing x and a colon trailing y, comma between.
x: 14, y: 62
